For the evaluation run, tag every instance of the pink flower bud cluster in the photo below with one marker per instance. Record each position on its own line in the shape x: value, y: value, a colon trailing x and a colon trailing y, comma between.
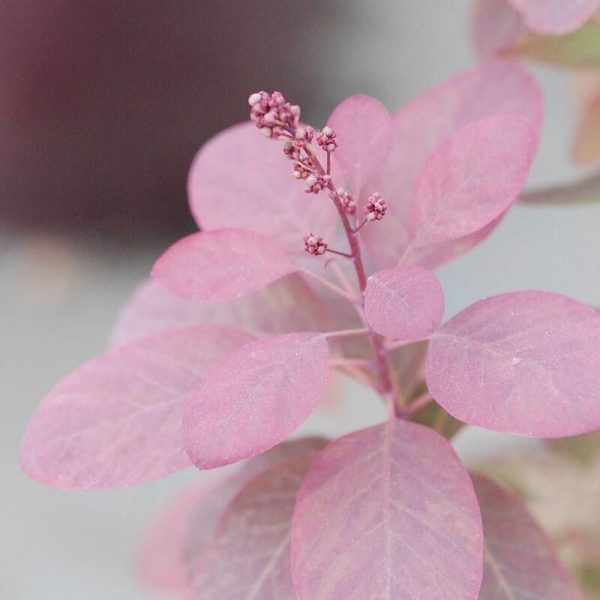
x: 278, y: 119
x: 273, y: 115
x: 326, y: 139
x: 314, y: 244
x: 376, y: 207
x: 317, y: 182
x: 348, y: 201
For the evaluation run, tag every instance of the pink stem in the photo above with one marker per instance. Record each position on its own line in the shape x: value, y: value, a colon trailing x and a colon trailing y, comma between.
x: 418, y: 403
x: 351, y: 362
x: 401, y: 344
x: 348, y: 332
x: 344, y: 254
x: 357, y: 229
x: 387, y: 388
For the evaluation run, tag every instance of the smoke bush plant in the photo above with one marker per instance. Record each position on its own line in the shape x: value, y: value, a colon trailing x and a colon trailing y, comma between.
x: 291, y: 280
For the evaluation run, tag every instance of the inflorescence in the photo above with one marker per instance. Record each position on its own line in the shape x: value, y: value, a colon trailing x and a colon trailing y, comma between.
x: 280, y: 120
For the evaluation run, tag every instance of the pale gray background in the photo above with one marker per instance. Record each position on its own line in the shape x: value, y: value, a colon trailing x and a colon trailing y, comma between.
x: 54, y: 314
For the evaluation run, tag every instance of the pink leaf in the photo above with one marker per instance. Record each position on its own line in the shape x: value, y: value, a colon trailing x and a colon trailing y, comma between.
x: 555, y: 17
x: 170, y: 550
x: 255, y: 398
x: 496, y: 25
x: 470, y: 180
x: 248, y: 555
x: 387, y: 512
x: 520, y: 562
x: 92, y: 430
x: 431, y: 257
x: 363, y: 128
x: 404, y: 303
x: 221, y: 265
x: 496, y: 87
x: 207, y: 514
x: 523, y: 362
x: 240, y: 179
x: 161, y: 565
x: 275, y: 309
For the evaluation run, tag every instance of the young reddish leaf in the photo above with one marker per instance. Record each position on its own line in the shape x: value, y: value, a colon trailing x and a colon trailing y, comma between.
x: 496, y: 87
x: 240, y: 179
x: 586, y: 146
x: 363, y: 127
x: 495, y: 25
x: 555, y: 17
x: 471, y: 180
x: 221, y: 265
x: 161, y: 564
x: 255, y: 398
x: 519, y: 560
x: 248, y: 555
x: 523, y: 362
x: 580, y: 49
x: 92, y: 430
x: 387, y: 512
x: 274, y: 310
x: 404, y: 303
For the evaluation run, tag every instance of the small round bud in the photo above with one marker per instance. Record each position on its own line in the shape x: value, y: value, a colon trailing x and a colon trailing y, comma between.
x: 376, y: 207
x: 254, y: 99
x: 314, y: 244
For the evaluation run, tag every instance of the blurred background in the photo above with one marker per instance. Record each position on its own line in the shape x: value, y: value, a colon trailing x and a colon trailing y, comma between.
x: 102, y: 108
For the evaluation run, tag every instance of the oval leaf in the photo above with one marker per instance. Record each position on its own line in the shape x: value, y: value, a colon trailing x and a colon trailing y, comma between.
x: 91, y: 431
x: 221, y: 265
x: 523, y: 362
x: 255, y: 398
x: 248, y: 555
x: 363, y: 127
x: 471, y: 180
x: 274, y: 310
x: 241, y: 180
x: 495, y: 87
x: 519, y: 560
x: 555, y: 17
x: 404, y: 303
x: 387, y: 512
